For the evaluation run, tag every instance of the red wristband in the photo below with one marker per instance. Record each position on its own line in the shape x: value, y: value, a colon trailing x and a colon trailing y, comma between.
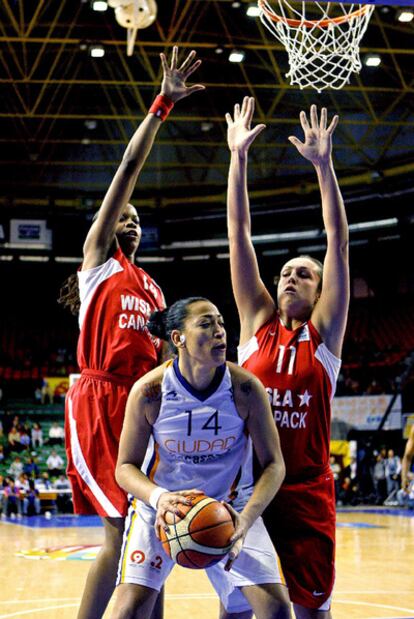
x: 161, y: 106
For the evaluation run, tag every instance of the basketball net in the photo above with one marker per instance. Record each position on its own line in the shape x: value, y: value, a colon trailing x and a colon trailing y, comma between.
x: 323, y: 51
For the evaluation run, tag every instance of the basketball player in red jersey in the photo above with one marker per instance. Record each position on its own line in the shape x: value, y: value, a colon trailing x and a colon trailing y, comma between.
x: 294, y: 347
x: 115, y: 347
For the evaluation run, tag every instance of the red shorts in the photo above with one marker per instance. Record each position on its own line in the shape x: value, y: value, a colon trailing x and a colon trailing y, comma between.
x: 301, y: 523
x: 94, y: 413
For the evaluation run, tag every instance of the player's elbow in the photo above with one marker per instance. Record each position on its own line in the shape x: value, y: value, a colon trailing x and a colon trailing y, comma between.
x: 120, y: 474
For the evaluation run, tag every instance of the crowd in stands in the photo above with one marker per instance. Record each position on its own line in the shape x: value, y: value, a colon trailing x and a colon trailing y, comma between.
x: 30, y: 466
x: 32, y: 460
x: 371, y: 479
x: 379, y: 337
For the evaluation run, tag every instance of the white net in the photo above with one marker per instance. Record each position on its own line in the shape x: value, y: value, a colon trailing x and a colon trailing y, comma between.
x: 322, y: 40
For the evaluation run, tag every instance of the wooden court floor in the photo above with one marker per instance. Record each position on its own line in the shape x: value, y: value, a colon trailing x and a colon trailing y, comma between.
x: 375, y: 571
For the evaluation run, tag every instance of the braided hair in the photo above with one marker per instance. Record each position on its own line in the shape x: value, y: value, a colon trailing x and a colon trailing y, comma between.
x: 69, y: 294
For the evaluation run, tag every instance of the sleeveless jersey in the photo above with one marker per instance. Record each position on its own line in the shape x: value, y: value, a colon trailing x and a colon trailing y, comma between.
x: 117, y: 299
x: 199, y: 439
x: 299, y: 374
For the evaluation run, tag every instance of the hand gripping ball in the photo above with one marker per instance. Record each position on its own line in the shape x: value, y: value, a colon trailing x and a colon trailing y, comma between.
x: 201, y: 537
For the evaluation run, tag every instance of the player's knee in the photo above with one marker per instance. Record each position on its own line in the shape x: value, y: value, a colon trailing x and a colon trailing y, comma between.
x: 131, y: 602
x: 277, y: 609
x: 124, y: 610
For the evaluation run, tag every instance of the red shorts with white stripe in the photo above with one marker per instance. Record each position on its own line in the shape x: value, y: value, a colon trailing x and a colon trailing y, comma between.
x: 95, y: 409
x: 301, y: 523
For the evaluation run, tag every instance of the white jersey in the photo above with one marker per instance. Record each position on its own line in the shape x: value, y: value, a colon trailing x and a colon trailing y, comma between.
x: 199, y: 439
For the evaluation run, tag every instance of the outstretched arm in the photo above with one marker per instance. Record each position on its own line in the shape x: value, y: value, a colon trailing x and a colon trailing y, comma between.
x: 330, y: 313
x: 101, y: 234
x: 254, y: 303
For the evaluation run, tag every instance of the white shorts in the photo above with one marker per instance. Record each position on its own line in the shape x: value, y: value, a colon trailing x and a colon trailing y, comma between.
x: 144, y: 562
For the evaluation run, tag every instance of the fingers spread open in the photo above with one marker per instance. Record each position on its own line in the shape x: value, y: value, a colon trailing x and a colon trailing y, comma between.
x: 191, y: 68
x: 187, y: 61
x: 174, y: 58
x: 314, y: 117
x: 333, y: 124
x: 304, y: 121
x: 323, y: 119
x: 164, y: 62
x: 229, y: 120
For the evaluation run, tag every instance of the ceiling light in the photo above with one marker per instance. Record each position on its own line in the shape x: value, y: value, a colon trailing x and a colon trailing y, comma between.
x: 219, y: 50
x: 372, y: 60
x: 236, y: 55
x: 97, y: 51
x: 196, y: 257
x: 305, y: 249
x: 372, y: 225
x: 91, y: 124
x: 99, y: 5
x: 235, y: 4
x: 85, y: 141
x: 253, y: 11
x: 25, y: 258
x: 275, y: 252
x: 405, y: 15
x: 156, y: 259
x: 68, y: 259
x: 206, y: 126
x: 6, y: 257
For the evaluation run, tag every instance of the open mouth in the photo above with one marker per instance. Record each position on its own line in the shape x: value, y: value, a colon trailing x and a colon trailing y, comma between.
x: 289, y: 289
x: 220, y: 347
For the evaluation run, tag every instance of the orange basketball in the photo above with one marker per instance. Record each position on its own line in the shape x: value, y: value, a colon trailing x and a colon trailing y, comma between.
x: 201, y: 538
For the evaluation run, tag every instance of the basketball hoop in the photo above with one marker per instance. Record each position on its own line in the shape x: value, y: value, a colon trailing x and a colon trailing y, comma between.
x: 322, y: 42
x: 133, y: 15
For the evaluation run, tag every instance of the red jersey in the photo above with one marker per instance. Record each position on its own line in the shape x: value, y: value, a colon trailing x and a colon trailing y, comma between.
x: 117, y: 299
x: 299, y: 374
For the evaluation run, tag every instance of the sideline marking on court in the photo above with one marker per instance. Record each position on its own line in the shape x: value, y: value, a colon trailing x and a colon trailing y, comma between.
x: 177, y: 596
x: 388, y: 606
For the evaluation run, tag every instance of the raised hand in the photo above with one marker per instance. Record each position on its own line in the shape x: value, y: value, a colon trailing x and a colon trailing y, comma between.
x: 239, y: 132
x: 317, y: 147
x: 173, y: 83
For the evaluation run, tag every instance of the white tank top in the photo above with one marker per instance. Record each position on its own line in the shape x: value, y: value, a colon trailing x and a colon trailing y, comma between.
x: 199, y: 439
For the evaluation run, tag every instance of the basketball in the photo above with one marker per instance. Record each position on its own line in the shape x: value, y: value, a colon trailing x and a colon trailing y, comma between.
x: 201, y: 537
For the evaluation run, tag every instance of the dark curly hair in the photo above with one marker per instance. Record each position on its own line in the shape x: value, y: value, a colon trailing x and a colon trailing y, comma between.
x: 69, y: 294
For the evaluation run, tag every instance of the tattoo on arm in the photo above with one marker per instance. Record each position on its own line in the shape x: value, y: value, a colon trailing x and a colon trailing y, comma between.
x: 152, y: 392
x: 246, y: 387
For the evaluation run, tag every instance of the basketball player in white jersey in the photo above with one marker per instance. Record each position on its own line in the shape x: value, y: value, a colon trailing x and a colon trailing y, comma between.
x: 186, y: 431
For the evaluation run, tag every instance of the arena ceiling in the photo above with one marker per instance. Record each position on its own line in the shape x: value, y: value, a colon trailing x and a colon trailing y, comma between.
x: 66, y: 117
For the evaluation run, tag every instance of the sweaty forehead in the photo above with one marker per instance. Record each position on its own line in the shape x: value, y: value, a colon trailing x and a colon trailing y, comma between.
x: 130, y: 210
x: 297, y: 263
x: 203, y: 308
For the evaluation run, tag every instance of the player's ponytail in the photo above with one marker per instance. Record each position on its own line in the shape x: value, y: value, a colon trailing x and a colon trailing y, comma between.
x: 157, y: 324
x: 162, y: 323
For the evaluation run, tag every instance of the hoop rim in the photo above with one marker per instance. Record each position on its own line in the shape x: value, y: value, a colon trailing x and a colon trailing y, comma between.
x: 308, y: 23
